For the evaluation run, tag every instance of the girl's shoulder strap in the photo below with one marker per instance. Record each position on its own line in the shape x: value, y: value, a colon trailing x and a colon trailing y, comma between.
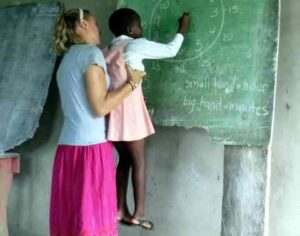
x: 114, y: 52
x: 118, y: 44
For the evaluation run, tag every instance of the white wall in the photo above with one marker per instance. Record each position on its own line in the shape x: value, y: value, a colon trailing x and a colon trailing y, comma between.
x: 285, y: 180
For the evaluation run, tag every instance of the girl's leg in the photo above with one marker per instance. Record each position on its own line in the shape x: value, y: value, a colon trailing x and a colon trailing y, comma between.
x: 122, y: 177
x: 136, y: 150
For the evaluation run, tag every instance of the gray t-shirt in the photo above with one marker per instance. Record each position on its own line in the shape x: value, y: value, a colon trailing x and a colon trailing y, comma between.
x: 81, y: 126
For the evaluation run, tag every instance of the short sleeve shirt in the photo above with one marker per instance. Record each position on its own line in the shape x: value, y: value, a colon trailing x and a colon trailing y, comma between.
x: 81, y: 126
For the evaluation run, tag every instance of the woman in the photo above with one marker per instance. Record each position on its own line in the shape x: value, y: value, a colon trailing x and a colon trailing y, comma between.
x: 83, y: 194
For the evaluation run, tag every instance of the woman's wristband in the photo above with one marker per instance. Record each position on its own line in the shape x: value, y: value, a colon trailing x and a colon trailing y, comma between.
x: 132, y: 84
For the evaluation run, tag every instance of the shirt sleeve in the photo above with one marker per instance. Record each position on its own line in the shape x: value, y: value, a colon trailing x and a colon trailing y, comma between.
x: 152, y: 50
x: 91, y: 56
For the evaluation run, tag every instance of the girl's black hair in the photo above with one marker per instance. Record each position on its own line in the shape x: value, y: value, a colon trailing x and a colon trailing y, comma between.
x: 121, y: 19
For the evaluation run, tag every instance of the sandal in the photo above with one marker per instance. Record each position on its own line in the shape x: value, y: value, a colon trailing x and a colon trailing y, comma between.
x: 126, y: 222
x: 145, y: 224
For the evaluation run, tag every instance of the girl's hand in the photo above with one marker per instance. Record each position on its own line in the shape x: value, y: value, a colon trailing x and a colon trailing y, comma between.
x: 183, y: 23
x: 134, y: 76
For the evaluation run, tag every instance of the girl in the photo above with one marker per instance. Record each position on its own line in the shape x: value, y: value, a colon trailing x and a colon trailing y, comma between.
x: 83, y: 194
x: 129, y: 123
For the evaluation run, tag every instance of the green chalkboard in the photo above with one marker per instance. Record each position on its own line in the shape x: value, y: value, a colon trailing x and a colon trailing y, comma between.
x: 223, y: 77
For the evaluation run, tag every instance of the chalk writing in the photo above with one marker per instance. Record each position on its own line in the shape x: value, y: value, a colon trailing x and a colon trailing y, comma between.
x: 223, y: 76
x: 165, y: 5
x: 202, y: 44
x: 233, y: 9
x: 219, y: 105
x: 226, y: 86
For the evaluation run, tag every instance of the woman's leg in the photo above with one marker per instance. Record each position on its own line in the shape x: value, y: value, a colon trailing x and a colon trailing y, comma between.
x: 122, y: 177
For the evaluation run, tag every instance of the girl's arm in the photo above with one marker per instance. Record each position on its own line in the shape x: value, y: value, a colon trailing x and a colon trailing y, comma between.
x: 101, y: 100
x: 146, y: 49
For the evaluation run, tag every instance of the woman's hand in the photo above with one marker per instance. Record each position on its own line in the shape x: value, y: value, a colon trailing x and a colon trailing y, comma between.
x: 183, y: 23
x: 102, y: 100
x: 134, y: 76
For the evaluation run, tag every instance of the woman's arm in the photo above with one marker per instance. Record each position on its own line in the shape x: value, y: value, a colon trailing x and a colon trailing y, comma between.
x: 101, y: 100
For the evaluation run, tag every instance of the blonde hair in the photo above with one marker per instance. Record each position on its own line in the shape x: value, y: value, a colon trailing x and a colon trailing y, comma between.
x: 65, y: 29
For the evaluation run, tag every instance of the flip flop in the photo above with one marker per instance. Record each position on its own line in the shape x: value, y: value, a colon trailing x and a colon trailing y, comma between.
x: 145, y: 224
x: 126, y: 221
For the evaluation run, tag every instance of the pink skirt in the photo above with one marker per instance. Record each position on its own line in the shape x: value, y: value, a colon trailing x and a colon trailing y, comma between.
x: 83, y: 193
x: 130, y: 120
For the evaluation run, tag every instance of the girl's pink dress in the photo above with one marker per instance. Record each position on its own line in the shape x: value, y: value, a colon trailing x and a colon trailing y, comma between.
x: 130, y: 120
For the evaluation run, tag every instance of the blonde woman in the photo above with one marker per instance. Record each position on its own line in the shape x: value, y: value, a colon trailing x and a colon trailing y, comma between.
x: 83, y: 193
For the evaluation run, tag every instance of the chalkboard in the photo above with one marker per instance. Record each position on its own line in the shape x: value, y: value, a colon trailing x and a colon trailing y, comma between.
x: 27, y: 62
x: 223, y: 77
